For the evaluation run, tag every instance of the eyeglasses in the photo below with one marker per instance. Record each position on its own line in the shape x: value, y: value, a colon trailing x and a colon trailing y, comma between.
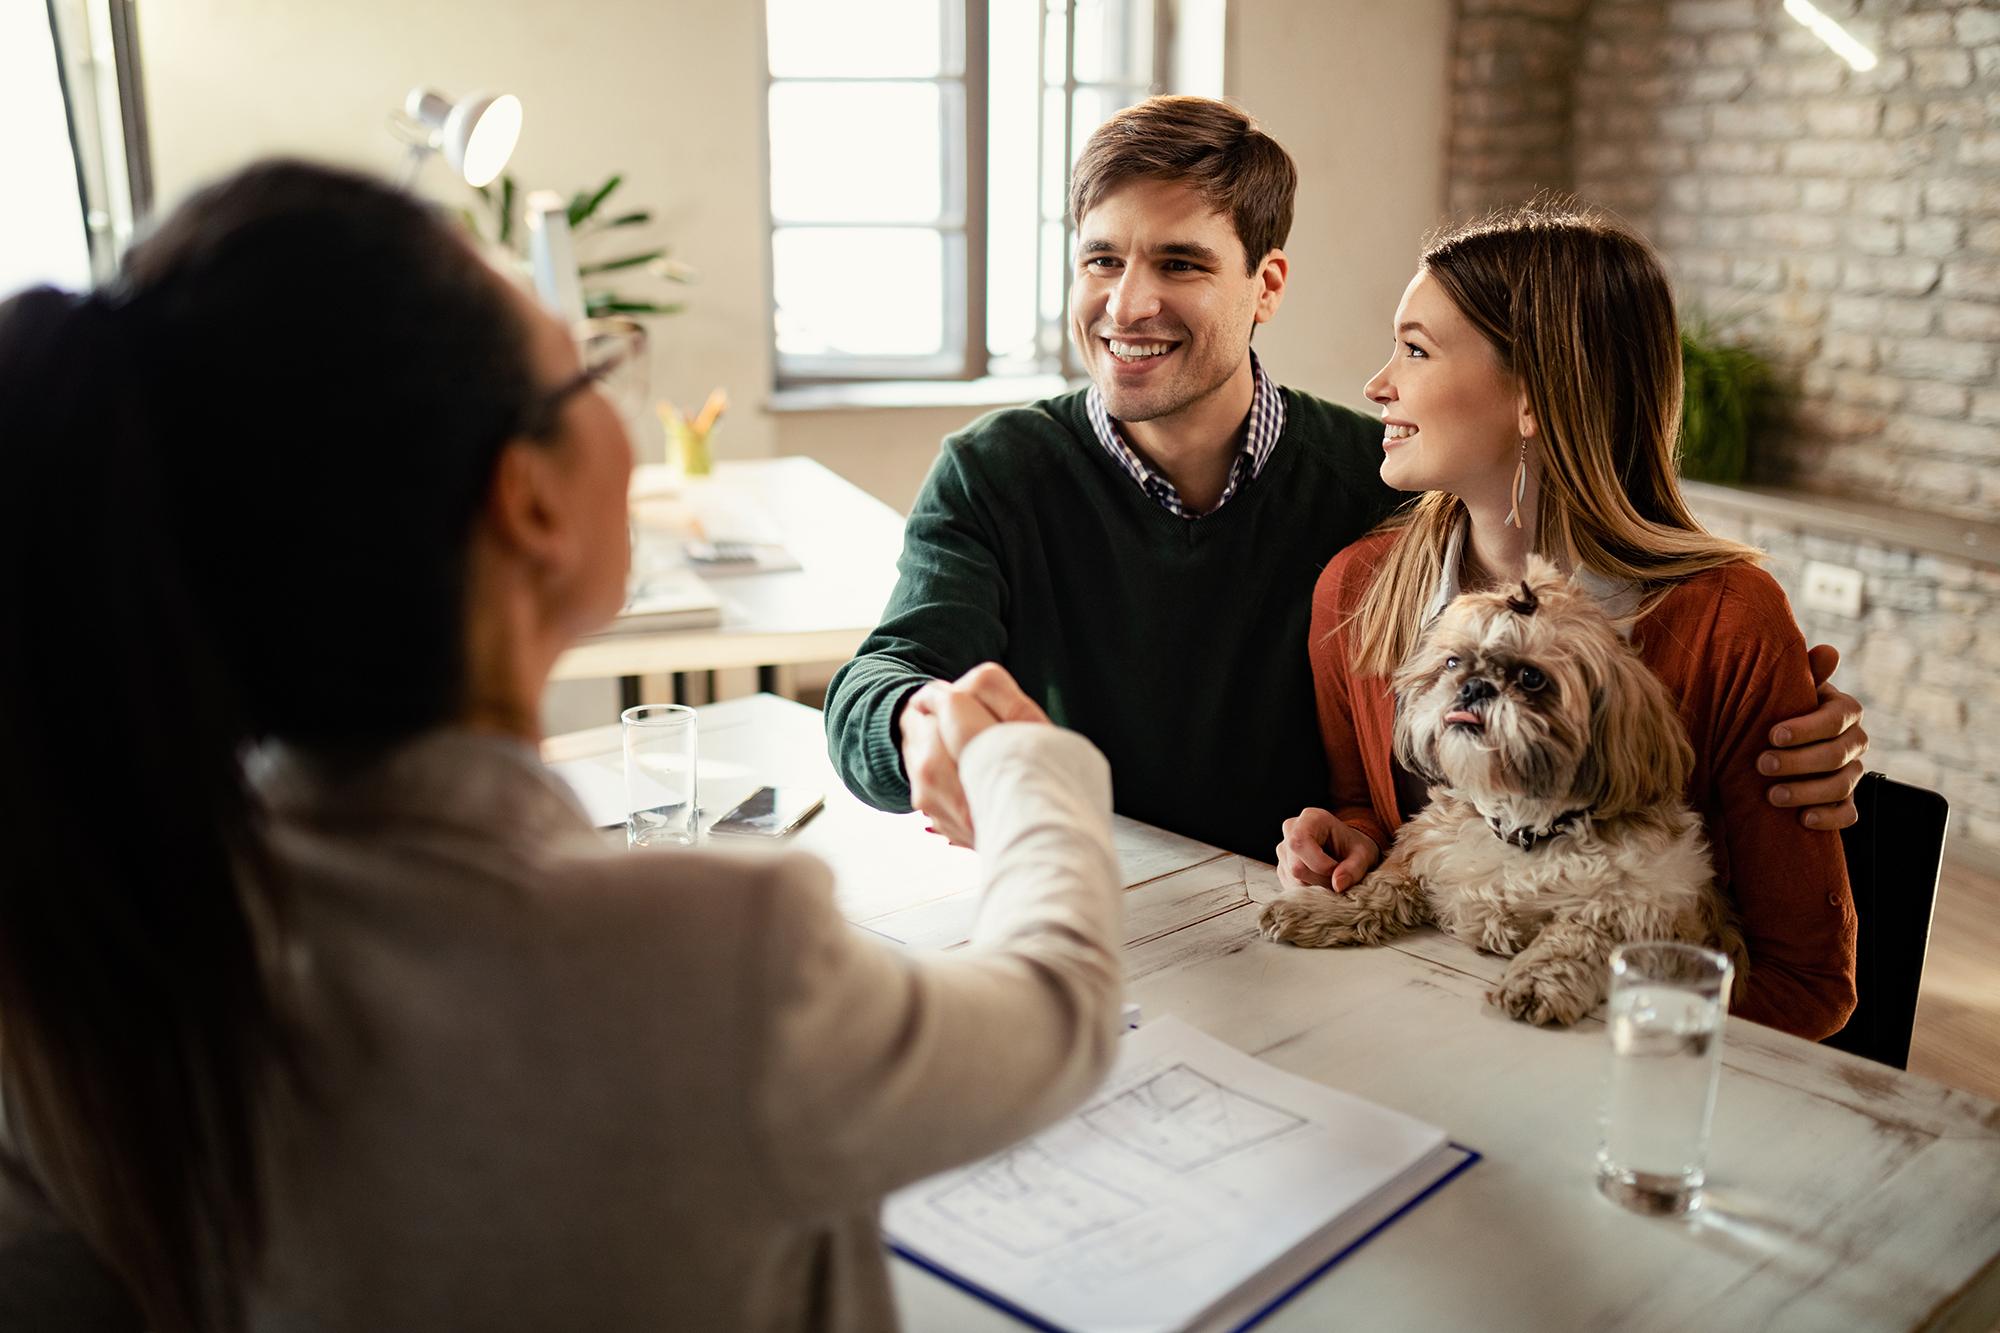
x: 613, y: 352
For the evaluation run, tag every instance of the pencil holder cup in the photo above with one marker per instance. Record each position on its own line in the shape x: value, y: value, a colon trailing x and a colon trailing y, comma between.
x: 687, y: 449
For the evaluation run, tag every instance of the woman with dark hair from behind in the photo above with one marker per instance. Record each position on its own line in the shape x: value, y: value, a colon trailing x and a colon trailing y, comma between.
x: 320, y: 1003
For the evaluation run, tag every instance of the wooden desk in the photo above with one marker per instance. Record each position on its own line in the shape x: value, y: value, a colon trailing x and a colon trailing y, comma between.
x: 1844, y: 1195
x: 846, y: 542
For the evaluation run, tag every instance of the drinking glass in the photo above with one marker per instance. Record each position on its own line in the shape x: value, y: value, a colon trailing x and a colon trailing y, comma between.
x: 1667, y: 1006
x: 659, y: 775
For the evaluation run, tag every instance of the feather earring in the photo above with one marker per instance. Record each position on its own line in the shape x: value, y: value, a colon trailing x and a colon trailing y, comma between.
x: 1519, y: 491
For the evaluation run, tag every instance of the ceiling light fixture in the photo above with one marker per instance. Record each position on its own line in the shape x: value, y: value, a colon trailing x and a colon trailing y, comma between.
x: 1830, y: 32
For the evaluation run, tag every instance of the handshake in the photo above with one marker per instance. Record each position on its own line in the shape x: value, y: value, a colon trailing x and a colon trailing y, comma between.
x: 938, y: 721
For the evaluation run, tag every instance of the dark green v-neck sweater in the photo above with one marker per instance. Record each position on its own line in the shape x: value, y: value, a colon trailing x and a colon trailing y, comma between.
x: 1177, y: 645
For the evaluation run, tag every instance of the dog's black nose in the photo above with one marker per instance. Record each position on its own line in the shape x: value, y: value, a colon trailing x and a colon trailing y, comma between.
x: 1473, y: 691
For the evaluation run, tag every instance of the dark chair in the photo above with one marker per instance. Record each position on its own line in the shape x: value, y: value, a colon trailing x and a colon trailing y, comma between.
x: 1893, y: 856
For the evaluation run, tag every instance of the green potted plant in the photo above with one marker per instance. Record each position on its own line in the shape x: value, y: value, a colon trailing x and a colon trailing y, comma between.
x: 1727, y: 395
x: 605, y: 277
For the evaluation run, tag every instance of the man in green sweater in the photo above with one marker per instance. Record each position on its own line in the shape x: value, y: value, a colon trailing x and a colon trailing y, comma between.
x: 1140, y: 555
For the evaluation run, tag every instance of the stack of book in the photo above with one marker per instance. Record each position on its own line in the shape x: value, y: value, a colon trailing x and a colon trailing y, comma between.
x: 664, y: 598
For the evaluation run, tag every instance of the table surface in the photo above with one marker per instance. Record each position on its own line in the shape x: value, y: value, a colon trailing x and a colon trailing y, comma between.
x: 1843, y: 1194
x: 845, y: 540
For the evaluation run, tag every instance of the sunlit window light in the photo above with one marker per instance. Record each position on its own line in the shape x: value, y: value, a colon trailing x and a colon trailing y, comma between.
x: 46, y: 240
x: 877, y: 270
x: 1838, y: 38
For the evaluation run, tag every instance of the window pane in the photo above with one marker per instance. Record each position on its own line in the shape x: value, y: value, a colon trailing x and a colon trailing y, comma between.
x: 1010, y: 181
x: 1093, y: 107
x: 1114, y: 41
x: 1055, y: 166
x: 859, y: 291
x: 869, y: 152
x: 46, y: 241
x: 1055, y: 264
x: 1055, y: 32
x: 858, y: 38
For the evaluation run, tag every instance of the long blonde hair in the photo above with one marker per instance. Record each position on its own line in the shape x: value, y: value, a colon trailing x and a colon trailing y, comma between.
x: 1580, y: 313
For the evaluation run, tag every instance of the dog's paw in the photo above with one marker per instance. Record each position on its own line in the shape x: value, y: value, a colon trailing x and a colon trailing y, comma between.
x: 1309, y: 918
x: 1503, y: 935
x: 1488, y: 932
x: 1552, y: 995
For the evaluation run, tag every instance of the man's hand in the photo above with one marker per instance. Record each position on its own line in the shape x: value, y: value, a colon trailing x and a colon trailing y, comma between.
x: 1324, y: 850
x: 938, y: 722
x: 1000, y: 693
x: 932, y: 766
x: 1820, y: 752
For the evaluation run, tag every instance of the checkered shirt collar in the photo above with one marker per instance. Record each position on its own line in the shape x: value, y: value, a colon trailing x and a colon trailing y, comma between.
x: 1267, y: 423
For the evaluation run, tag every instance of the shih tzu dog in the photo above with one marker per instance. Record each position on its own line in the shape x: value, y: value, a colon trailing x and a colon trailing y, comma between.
x: 1556, y: 826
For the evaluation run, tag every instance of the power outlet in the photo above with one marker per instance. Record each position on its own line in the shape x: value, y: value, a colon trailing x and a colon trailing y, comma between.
x: 1834, y: 589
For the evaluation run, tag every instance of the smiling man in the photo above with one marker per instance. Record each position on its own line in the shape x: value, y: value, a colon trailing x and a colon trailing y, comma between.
x: 1141, y: 554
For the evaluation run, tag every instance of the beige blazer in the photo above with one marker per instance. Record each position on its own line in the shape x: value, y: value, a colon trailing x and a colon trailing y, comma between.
x: 560, y: 1086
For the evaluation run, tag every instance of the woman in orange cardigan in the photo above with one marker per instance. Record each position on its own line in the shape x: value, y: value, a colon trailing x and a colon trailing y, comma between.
x: 1535, y: 397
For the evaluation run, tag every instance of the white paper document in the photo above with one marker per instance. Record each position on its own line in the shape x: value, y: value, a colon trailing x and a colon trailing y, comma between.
x: 1196, y: 1188
x: 664, y: 597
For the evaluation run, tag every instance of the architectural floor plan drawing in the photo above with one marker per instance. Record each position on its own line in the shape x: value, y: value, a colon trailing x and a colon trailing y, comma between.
x: 1183, y: 1120
x: 1031, y: 1201
x: 1198, y: 1186
x: 1028, y: 1202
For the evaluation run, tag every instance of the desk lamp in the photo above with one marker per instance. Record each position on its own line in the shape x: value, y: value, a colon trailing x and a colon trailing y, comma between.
x: 551, y: 257
x: 477, y: 134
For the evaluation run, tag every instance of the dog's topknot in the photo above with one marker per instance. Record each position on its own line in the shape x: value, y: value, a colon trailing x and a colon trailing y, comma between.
x: 1527, y: 603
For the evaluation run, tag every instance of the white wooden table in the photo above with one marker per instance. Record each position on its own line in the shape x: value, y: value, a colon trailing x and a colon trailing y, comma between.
x: 1843, y: 1194
x: 846, y: 542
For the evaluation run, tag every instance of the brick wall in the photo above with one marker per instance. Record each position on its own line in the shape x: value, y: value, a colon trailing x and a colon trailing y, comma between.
x: 1924, y: 656
x: 1846, y: 222
x: 1512, y: 109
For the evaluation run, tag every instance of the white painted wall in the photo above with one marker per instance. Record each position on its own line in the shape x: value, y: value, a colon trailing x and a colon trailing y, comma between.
x: 670, y: 92
x: 1355, y: 90
x: 667, y: 91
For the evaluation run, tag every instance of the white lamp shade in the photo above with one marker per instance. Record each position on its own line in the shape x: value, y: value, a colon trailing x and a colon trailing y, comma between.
x: 480, y: 134
x: 477, y: 133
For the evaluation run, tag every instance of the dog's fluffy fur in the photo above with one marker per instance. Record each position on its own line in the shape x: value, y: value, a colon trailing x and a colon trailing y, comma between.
x: 1556, y: 826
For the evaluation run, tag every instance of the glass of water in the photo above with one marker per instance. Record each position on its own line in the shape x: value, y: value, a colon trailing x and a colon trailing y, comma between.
x: 659, y: 775
x: 1667, y: 1006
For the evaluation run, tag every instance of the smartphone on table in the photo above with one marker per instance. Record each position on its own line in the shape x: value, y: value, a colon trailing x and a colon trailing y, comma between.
x: 770, y: 812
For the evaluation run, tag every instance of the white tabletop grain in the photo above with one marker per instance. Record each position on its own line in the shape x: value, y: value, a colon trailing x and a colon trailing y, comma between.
x: 1843, y: 1194
x: 845, y: 541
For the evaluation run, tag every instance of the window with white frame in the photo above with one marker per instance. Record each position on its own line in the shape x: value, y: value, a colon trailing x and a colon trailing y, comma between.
x: 919, y: 156
x: 75, y: 157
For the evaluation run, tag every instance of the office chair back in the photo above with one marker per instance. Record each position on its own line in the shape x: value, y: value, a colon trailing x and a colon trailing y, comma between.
x: 1894, y: 853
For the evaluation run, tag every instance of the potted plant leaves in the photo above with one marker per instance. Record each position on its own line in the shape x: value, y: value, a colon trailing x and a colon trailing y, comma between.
x: 607, y: 278
x: 1727, y: 397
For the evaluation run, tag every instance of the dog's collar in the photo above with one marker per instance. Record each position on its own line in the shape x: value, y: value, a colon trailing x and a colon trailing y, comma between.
x: 1526, y: 838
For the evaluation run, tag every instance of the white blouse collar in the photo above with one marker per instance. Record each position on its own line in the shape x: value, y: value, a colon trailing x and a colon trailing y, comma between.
x: 1617, y: 598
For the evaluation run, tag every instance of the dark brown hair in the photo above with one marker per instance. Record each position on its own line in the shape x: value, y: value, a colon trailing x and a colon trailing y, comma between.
x: 1232, y: 164
x: 242, y: 482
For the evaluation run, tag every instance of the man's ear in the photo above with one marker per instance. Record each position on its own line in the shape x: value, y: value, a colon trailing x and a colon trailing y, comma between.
x: 1271, y: 276
x: 521, y: 512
